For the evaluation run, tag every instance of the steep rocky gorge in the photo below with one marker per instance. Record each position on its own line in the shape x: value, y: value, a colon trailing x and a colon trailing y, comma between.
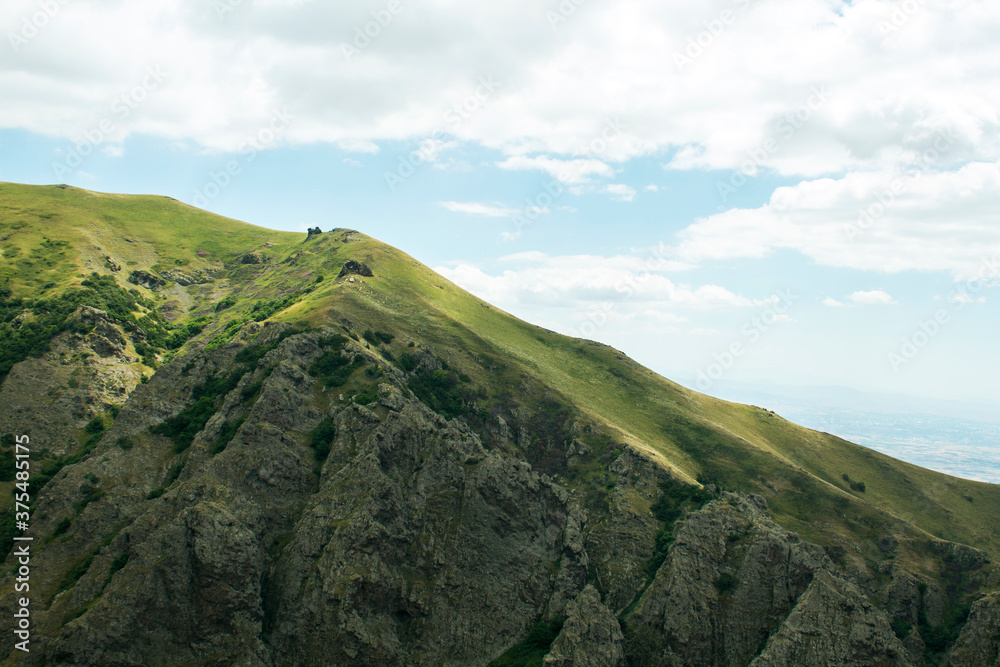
x: 297, y: 526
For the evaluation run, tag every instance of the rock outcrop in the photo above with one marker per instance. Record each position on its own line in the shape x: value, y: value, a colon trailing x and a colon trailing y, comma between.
x: 979, y: 643
x: 255, y: 257
x: 146, y: 279
x: 356, y: 268
x: 834, y: 624
x: 88, y: 370
x: 590, y: 637
x: 300, y: 526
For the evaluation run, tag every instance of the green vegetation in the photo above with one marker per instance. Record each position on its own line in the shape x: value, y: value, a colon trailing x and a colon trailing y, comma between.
x: 47, y: 469
x: 185, y: 425
x: 226, y: 435
x: 7, y: 531
x: 725, y: 583
x: 263, y: 310
x: 228, y: 302
x: 498, y: 367
x: 366, y: 396
x: 27, y: 326
x: 377, y: 337
x: 7, y: 465
x: 62, y: 527
x: 531, y: 651
x: 333, y: 368
x: 440, y: 390
x: 902, y: 627
x: 118, y: 563
x: 76, y: 572
x: 675, y: 498
x: 90, y: 494
x: 172, y: 476
x: 321, y: 439
x: 855, y: 486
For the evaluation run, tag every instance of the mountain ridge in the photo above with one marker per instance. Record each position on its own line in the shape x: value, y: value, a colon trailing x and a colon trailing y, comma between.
x: 213, y: 299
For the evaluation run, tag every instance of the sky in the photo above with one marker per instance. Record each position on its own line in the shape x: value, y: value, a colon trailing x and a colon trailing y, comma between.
x: 802, y: 193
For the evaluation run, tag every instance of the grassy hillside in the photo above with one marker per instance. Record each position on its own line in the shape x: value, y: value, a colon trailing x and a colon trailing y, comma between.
x: 830, y: 491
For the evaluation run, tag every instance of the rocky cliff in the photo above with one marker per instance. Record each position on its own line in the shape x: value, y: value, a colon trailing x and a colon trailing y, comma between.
x: 301, y: 527
x: 273, y: 451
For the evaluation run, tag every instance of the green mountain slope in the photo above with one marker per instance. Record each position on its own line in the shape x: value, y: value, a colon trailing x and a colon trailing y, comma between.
x: 800, y: 472
x: 184, y: 283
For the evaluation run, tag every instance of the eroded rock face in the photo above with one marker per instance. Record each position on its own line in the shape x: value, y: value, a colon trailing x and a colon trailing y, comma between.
x: 421, y: 547
x: 729, y: 581
x: 590, y: 637
x: 82, y: 375
x: 979, y: 643
x: 412, y: 543
x: 146, y: 279
x: 834, y: 624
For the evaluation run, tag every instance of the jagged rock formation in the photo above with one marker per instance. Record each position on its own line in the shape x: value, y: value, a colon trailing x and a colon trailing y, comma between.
x: 979, y: 643
x: 591, y: 636
x: 833, y: 623
x: 356, y: 268
x: 411, y: 544
x: 146, y: 279
x: 198, y: 277
x: 449, y: 487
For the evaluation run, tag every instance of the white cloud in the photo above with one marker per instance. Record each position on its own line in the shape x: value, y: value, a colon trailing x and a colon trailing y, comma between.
x: 963, y: 298
x: 833, y: 303
x: 113, y: 150
x: 871, y: 298
x: 476, y: 208
x: 573, y: 281
x: 358, y: 146
x: 554, y: 91
x: 876, y: 221
x: 651, y: 188
x: 619, y: 192
x: 565, y: 171
x: 351, y: 162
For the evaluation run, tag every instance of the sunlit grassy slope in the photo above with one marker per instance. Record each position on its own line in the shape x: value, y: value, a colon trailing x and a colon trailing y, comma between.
x: 799, y: 471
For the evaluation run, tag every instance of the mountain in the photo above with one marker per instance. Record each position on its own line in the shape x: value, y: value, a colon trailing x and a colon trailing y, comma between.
x: 254, y: 447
